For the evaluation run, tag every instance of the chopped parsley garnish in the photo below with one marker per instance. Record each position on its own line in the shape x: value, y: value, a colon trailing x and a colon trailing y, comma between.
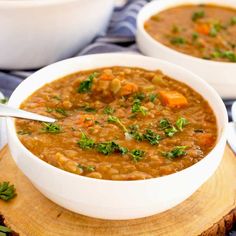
x: 137, y: 155
x: 123, y: 150
x: 195, y: 36
x: 107, y: 148
x: 7, y: 191
x: 108, y: 110
x: 152, y: 97
x: 151, y: 137
x: 3, y: 100
x: 198, y: 15
x: 181, y: 123
x: 61, y: 111
x: 170, y: 129
x: 169, y: 132
x: 85, y: 142
x: 137, y: 107
x: 177, y: 41
x: 49, y: 110
x: 177, y: 151
x: 164, y: 123
x: 233, y: 20
x: 57, y: 97
x: 90, y: 109
x: 230, y: 55
x: 88, y: 168
x: 96, y: 122
x: 51, y: 128
x: 4, y: 230
x: 86, y: 85
x: 133, y: 131
x: 114, y: 119
x: 140, y: 96
x: 215, y: 29
x: 23, y: 132
x: 175, y: 29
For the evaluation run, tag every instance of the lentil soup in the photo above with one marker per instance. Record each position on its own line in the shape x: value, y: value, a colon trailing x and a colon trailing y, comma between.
x: 203, y: 31
x: 119, y: 123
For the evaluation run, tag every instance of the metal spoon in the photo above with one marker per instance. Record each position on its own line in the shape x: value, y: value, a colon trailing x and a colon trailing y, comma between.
x: 6, y: 111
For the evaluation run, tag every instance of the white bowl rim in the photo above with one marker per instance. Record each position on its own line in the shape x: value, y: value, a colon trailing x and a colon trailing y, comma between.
x: 33, y: 3
x: 140, y: 26
x: 220, y: 139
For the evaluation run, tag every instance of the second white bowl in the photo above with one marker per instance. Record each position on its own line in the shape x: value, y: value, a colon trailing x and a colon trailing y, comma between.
x: 218, y: 74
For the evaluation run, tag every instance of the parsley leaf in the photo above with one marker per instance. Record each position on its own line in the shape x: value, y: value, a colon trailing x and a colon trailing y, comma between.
x: 114, y: 119
x: 89, y: 109
x: 108, y: 110
x: 133, y: 131
x: 152, y: 137
x: 169, y: 132
x: 86, y: 85
x: 177, y: 151
x: 215, y: 29
x: 198, y: 15
x: 85, y: 142
x: 233, y: 20
x: 164, y: 123
x: 195, y: 36
x: 177, y: 40
x: 61, y: 111
x: 137, y: 155
x: 4, y: 230
x: 88, y: 168
x: 7, y: 191
x: 230, y: 55
x: 137, y: 107
x: 3, y: 100
x: 181, y: 123
x: 140, y: 96
x: 49, y: 110
x: 23, y: 132
x: 107, y: 148
x: 152, y: 97
x: 51, y: 128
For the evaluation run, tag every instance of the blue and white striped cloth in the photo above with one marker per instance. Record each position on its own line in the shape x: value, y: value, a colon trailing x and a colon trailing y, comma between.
x: 120, y: 37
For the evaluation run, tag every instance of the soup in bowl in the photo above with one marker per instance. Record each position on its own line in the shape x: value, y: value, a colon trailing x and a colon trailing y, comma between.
x: 197, y: 34
x: 128, y: 127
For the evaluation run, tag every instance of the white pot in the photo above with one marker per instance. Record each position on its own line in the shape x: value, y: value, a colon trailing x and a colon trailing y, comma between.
x: 39, y: 32
x: 221, y: 75
x: 110, y: 199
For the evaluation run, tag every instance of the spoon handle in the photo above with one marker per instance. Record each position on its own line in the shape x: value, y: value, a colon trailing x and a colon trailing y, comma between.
x: 6, y: 111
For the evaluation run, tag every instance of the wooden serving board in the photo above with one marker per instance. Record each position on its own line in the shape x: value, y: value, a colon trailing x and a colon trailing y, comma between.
x: 210, y: 211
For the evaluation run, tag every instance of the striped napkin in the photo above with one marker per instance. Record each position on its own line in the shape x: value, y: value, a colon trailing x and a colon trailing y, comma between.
x: 120, y: 37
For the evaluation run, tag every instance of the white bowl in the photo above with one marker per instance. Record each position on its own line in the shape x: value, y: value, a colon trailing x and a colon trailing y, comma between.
x: 221, y: 75
x: 35, y: 33
x: 109, y: 199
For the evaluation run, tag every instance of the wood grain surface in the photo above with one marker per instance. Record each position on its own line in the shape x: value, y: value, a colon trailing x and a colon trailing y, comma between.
x: 209, y: 211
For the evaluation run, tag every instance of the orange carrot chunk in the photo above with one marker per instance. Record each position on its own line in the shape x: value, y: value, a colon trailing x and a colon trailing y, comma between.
x: 173, y: 99
x: 206, y: 140
x: 107, y: 77
x: 203, y: 28
x: 128, y: 89
x: 86, y: 120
